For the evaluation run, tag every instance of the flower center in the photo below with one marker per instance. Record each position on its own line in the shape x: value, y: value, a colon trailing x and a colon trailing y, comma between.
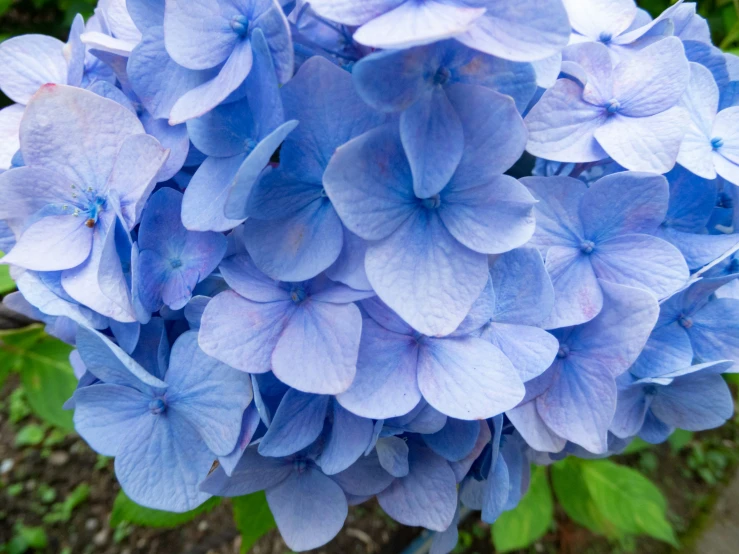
x: 650, y: 390
x: 240, y: 25
x: 431, y: 203
x: 93, y: 211
x: 298, y: 294
x: 442, y: 76
x: 685, y: 322
x: 587, y: 247
x: 564, y: 351
x: 157, y: 406
x: 300, y: 465
x: 717, y: 142
x: 613, y: 107
x: 175, y: 263
x: 605, y: 37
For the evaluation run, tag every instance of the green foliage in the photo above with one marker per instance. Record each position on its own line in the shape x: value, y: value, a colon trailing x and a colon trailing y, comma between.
x: 530, y: 520
x: 611, y: 499
x: 6, y: 283
x: 126, y: 510
x: 61, y: 512
x: 679, y: 440
x: 30, y: 435
x: 573, y: 495
x: 43, y: 364
x: 25, y: 539
x: 253, y: 518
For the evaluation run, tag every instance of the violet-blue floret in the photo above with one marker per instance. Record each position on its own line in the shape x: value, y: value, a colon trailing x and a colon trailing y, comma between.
x: 389, y: 249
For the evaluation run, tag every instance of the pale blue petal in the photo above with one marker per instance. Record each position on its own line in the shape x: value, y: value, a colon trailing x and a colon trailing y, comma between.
x: 467, y: 378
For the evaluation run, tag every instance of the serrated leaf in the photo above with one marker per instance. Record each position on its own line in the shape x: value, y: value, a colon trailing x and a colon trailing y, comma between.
x: 253, y: 518
x: 573, y: 495
x: 530, y: 520
x: 43, y: 364
x: 6, y: 283
x: 126, y: 510
x: 628, y: 500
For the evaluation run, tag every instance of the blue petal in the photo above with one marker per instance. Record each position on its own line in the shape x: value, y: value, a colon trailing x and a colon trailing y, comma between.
x: 296, y: 424
x: 309, y: 509
x: 427, y: 496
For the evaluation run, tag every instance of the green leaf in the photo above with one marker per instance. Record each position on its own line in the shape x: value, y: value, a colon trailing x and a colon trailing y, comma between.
x: 627, y: 499
x: 43, y: 364
x: 30, y: 435
x: 126, y: 510
x: 253, y: 518
x: 680, y: 439
x: 61, y: 512
x: 637, y: 445
x: 6, y: 283
x: 530, y: 520
x: 574, y: 497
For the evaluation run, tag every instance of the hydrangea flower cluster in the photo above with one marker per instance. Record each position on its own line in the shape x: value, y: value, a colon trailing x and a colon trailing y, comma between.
x: 305, y: 247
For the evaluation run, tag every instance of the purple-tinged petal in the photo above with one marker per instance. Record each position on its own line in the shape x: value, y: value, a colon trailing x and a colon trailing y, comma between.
x: 413, y: 24
x: 104, y: 413
x: 593, y: 17
x: 521, y: 31
x: 641, y: 261
x: 425, y: 275
x: 433, y: 140
x: 28, y: 62
x: 346, y: 441
x: 206, y: 195
x: 243, y: 276
x: 161, y: 88
x: 624, y: 203
x: 134, y: 174
x: 530, y: 349
x: 317, y: 350
x: 242, y: 333
x: 198, y: 33
x: 631, y: 409
x: 455, y: 441
x: 644, y: 143
x: 467, y: 378
x: 494, y: 217
x: 652, y: 80
x: 10, y: 125
x: 393, y: 455
x: 207, y: 393
x: 557, y: 212
x: 577, y: 294
x: 427, y: 496
x: 152, y: 470
x: 527, y: 421
x: 52, y: 243
x: 299, y: 247
x: 385, y: 384
x: 76, y: 133
x: 562, y: 126
x: 366, y: 477
x: 694, y: 402
x: 207, y: 96
x: 494, y: 133
x: 309, y: 509
x: 297, y: 423
x: 369, y: 183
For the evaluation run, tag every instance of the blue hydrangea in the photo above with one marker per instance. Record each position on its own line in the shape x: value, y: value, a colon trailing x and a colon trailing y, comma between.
x: 385, y: 249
